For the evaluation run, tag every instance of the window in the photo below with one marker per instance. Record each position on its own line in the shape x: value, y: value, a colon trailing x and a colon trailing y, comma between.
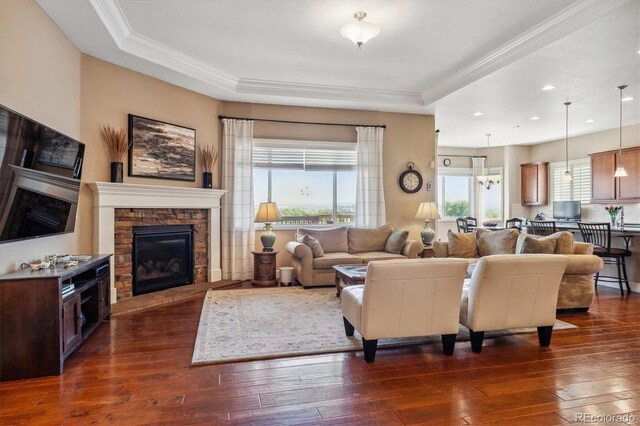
x: 454, y: 193
x: 456, y: 189
x: 579, y: 188
x: 313, y: 183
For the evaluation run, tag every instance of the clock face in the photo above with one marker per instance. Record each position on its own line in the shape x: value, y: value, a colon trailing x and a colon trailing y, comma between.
x: 410, y: 181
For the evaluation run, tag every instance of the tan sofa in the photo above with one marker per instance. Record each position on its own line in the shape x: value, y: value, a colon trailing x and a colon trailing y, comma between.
x: 577, y: 286
x: 343, y: 246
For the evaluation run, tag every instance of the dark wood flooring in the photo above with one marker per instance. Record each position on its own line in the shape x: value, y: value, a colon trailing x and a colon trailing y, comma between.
x: 136, y: 370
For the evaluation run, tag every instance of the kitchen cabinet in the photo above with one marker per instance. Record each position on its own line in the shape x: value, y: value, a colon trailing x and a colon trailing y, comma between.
x: 534, y: 189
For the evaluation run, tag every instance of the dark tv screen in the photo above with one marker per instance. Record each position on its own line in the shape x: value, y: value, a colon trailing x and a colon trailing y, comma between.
x: 40, y: 172
x: 567, y: 210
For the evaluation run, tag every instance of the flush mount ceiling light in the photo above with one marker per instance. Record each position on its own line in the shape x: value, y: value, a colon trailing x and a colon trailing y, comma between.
x: 477, y: 114
x: 548, y: 87
x: 590, y: 121
x: 567, y: 173
x: 620, y: 171
x: 534, y: 118
x: 627, y: 99
x: 359, y: 31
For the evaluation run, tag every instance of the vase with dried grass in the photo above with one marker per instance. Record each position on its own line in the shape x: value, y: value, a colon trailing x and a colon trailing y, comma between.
x: 117, y: 146
x: 208, y: 157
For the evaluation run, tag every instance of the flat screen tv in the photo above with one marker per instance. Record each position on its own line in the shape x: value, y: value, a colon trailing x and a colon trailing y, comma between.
x: 40, y: 171
x: 566, y: 210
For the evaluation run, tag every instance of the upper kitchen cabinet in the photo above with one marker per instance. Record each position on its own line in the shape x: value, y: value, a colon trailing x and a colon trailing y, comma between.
x: 608, y: 189
x: 534, y: 190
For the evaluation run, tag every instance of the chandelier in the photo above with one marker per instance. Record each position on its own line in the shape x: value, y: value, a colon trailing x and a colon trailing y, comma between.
x: 488, y: 179
x: 359, y: 31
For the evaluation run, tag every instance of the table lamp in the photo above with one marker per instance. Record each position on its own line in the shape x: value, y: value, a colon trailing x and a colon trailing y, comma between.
x: 267, y: 213
x: 427, y: 210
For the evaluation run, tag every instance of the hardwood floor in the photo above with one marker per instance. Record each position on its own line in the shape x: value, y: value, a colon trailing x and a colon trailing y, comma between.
x: 137, y: 370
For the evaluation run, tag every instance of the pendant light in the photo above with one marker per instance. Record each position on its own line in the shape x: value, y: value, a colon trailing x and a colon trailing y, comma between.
x: 359, y: 31
x: 488, y: 180
x: 567, y: 173
x: 620, y: 171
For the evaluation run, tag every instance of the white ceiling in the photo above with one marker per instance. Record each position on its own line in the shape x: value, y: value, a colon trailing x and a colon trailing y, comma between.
x: 450, y: 58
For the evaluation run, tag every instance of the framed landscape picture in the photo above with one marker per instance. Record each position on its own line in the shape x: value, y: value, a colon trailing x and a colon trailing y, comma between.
x: 161, y: 150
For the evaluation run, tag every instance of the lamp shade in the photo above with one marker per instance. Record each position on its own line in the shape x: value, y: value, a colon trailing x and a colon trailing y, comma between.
x: 268, y: 212
x: 359, y: 31
x: 428, y: 210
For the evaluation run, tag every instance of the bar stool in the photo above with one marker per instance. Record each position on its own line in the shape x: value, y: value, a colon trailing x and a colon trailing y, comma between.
x: 543, y: 227
x: 599, y: 234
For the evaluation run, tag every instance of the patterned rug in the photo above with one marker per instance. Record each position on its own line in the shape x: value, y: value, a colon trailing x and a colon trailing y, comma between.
x: 242, y: 325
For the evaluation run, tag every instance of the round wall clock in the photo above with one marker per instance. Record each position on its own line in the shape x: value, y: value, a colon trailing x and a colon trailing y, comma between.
x: 410, y: 179
x: 446, y: 162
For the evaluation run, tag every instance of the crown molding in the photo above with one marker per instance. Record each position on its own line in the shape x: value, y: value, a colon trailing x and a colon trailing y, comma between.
x: 327, y: 92
x: 562, y: 23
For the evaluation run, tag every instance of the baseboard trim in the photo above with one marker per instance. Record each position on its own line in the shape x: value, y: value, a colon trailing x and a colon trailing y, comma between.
x: 635, y: 287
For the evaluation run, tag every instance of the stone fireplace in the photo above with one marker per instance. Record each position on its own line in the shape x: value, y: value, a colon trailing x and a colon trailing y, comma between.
x: 120, y: 207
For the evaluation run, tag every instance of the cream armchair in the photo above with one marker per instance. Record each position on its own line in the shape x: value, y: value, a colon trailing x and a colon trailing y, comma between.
x: 405, y: 298
x: 512, y: 291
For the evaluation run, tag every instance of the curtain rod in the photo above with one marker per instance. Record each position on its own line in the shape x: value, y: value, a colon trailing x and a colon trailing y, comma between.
x: 462, y: 156
x: 384, y: 126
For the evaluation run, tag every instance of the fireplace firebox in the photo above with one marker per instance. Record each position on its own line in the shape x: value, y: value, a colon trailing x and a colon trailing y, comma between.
x: 162, y: 257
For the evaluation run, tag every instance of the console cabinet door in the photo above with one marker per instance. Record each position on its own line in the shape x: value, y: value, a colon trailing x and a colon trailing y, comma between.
x: 104, y: 294
x: 628, y: 188
x: 603, y: 184
x: 71, y: 323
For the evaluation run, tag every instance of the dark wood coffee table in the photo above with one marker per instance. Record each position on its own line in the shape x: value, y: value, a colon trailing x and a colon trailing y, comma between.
x: 347, y: 275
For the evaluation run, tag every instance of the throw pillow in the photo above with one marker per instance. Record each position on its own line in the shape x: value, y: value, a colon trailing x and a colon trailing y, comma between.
x: 462, y: 244
x: 563, y: 242
x: 396, y: 241
x: 314, y: 244
x: 497, y: 242
x: 332, y: 240
x: 362, y: 239
x: 527, y: 244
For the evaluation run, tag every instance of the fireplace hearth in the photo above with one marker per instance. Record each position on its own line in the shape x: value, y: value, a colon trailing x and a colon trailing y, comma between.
x: 162, y: 257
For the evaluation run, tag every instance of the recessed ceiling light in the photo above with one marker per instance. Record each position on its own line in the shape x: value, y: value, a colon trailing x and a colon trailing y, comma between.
x: 590, y: 121
x: 548, y: 87
x: 627, y: 99
x: 535, y: 117
x: 477, y: 114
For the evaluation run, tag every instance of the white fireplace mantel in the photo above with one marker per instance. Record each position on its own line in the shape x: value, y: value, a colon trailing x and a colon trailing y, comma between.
x: 110, y: 196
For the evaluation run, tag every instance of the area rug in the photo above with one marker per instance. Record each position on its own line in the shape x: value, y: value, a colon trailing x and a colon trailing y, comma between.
x: 243, y: 325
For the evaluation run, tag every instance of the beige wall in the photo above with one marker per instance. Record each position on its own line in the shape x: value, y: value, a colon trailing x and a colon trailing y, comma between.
x: 40, y: 78
x: 408, y: 137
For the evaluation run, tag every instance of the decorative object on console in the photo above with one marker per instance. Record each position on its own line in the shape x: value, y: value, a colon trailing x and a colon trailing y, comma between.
x: 567, y: 173
x: 359, y: 31
x: 161, y: 150
x: 268, y: 213
x: 427, y: 210
x: 208, y: 156
x: 117, y: 145
x: 613, y: 213
x: 488, y: 179
x: 410, y: 179
x: 620, y: 171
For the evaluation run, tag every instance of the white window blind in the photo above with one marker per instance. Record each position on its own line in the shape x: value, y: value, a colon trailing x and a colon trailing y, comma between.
x: 304, y: 155
x: 578, y: 189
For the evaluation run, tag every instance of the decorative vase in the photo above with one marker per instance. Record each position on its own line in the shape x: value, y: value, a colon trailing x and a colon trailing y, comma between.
x: 427, y: 234
x: 207, y: 180
x: 613, y: 220
x: 116, y: 172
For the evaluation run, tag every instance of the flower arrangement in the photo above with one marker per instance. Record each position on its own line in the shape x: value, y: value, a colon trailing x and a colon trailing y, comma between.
x: 116, y: 141
x: 613, y: 213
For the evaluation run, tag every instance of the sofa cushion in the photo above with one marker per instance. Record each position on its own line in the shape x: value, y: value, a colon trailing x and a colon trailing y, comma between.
x: 396, y: 241
x: 314, y: 244
x: 331, y: 240
x: 497, y: 242
x: 563, y: 241
x: 362, y: 239
x: 368, y: 256
x: 526, y: 244
x: 332, y: 259
x: 462, y: 244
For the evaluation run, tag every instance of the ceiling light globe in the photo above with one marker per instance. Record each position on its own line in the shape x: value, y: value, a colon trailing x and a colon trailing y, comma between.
x: 359, y: 32
x: 567, y: 176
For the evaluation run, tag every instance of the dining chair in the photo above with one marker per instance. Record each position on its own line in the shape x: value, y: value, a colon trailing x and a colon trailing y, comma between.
x: 514, y: 222
x: 461, y: 223
x: 472, y: 222
x: 543, y: 227
x: 599, y: 234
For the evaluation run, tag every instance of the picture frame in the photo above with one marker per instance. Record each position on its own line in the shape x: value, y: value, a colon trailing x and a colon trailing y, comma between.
x: 161, y: 150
